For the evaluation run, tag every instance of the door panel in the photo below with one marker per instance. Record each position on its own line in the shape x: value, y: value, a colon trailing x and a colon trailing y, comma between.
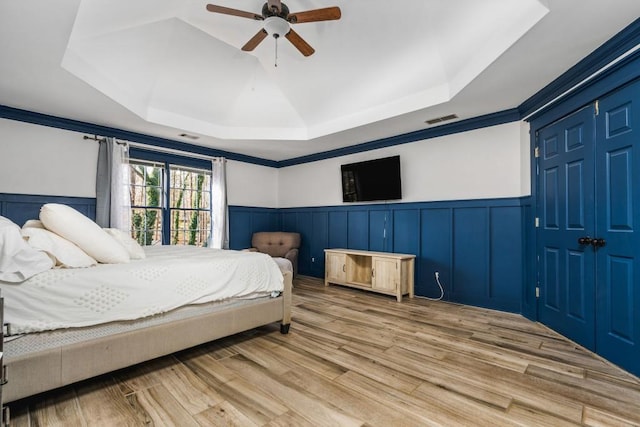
x: 566, y: 180
x: 618, y: 210
x: 620, y: 279
x: 385, y: 273
x: 336, y: 267
x: 619, y: 190
x: 551, y: 199
x: 576, y: 303
x: 575, y: 196
x: 552, y: 285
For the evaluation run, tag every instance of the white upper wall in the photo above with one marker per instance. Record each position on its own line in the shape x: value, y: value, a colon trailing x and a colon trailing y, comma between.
x: 46, y: 161
x: 525, y: 159
x: 484, y: 163
x: 251, y: 185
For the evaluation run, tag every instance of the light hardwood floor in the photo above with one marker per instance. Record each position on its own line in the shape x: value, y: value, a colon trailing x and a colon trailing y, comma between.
x: 354, y: 358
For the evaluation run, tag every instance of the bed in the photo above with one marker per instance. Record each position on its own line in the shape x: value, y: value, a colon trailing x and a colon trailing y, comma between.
x: 47, y: 350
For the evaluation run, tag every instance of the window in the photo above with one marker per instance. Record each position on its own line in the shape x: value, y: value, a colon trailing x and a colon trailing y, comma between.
x: 146, y: 202
x: 170, y: 203
x: 189, y: 205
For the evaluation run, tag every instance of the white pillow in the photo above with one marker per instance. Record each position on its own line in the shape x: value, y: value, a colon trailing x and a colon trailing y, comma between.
x: 70, y: 224
x: 63, y: 252
x: 129, y: 243
x: 19, y: 261
x: 33, y: 223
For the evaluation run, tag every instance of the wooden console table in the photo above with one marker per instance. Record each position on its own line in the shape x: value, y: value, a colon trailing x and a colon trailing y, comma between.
x: 382, y: 272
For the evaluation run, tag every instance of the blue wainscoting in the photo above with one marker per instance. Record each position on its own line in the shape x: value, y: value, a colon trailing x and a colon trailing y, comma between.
x: 476, y: 246
x: 22, y: 207
x: 244, y: 221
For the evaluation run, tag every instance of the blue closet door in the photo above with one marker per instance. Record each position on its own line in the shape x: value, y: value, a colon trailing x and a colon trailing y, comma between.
x: 589, y: 186
x: 565, y: 211
x: 618, y: 215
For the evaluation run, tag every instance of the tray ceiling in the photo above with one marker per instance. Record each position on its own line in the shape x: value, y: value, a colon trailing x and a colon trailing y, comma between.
x: 165, y: 67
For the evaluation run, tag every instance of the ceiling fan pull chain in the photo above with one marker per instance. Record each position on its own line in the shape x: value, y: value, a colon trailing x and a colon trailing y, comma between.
x: 276, y: 36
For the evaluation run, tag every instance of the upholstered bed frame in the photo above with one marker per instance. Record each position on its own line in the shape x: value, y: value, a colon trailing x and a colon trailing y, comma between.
x: 57, y: 365
x: 40, y: 362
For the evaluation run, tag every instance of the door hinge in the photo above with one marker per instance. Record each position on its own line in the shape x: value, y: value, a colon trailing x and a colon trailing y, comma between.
x: 536, y: 152
x: 597, y: 107
x: 537, y: 222
x: 537, y: 292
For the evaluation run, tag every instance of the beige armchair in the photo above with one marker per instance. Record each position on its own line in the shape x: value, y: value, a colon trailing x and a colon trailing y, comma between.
x: 278, y: 244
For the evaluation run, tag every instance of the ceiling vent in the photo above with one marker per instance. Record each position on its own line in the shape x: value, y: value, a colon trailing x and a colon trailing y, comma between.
x: 186, y: 135
x: 441, y: 119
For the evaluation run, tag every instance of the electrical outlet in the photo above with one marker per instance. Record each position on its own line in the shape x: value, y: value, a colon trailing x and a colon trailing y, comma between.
x: 437, y: 275
x: 313, y: 259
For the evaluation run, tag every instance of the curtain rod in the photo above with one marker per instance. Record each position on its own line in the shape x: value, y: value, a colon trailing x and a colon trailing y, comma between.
x: 154, y: 148
x: 100, y: 139
x: 94, y: 138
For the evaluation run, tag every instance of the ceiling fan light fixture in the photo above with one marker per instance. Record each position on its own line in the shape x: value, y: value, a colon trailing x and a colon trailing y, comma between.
x: 277, y: 20
x: 276, y: 26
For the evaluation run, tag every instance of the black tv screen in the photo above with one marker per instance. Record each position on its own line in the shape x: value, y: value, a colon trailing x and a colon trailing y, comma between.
x: 372, y: 180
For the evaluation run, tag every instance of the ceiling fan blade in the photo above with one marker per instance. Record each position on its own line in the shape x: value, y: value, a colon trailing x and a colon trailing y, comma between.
x: 235, y: 12
x: 315, y: 15
x: 255, y: 40
x: 299, y: 43
x: 277, y: 4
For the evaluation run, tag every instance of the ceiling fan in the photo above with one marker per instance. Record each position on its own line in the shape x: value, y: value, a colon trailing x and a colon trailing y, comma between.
x: 277, y: 20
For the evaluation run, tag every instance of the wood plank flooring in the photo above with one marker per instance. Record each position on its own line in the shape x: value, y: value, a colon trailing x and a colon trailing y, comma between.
x: 354, y: 358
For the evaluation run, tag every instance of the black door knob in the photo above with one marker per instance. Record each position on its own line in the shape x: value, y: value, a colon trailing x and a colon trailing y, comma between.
x: 585, y: 240
x: 598, y: 243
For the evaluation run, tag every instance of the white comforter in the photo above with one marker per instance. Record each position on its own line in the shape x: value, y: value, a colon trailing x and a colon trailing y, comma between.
x: 170, y: 277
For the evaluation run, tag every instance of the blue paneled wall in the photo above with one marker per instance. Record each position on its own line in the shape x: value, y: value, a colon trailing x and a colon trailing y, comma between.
x: 244, y: 221
x: 21, y: 207
x: 476, y: 246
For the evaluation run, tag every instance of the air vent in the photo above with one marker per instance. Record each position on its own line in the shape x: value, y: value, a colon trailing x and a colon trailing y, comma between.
x: 441, y: 119
x: 186, y: 135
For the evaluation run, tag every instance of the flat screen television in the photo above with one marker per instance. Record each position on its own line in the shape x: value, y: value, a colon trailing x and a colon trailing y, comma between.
x: 372, y: 180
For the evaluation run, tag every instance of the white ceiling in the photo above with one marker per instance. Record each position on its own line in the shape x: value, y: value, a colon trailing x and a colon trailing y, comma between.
x: 164, y: 67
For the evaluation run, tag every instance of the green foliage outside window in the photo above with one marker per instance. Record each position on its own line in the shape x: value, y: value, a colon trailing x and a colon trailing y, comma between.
x: 187, y: 204
x: 146, y: 190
